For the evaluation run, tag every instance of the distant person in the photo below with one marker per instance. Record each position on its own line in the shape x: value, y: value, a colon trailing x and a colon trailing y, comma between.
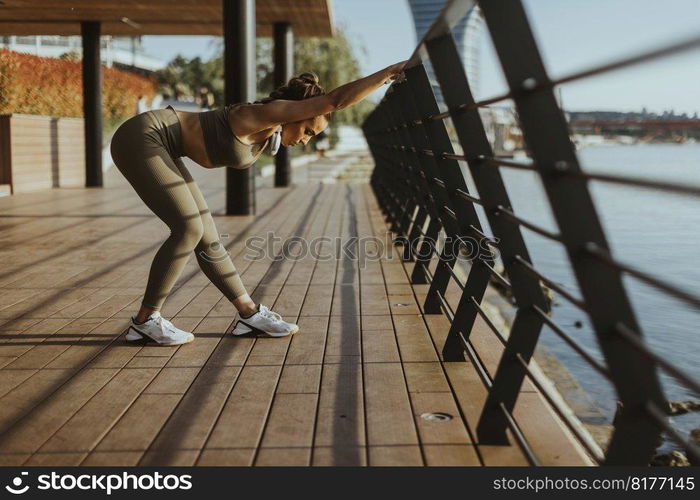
x: 148, y: 149
x: 206, y: 98
x: 322, y: 144
x: 141, y: 106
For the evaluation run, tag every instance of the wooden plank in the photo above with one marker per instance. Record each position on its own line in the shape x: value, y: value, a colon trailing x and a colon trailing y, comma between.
x: 308, y: 348
x: 339, y: 434
x: 311, y: 17
x: 414, y: 340
x: 189, y: 424
x: 438, y: 432
x: 32, y: 432
x: 344, y: 341
x: 242, y: 418
x: 136, y: 429
x: 425, y: 376
x: 9, y: 379
x: 340, y: 424
x: 379, y: 346
x: 96, y: 417
x: 391, y: 430
x: 18, y: 402
x: 289, y: 425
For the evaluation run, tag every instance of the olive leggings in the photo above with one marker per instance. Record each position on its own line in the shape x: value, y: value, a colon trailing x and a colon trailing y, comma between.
x: 147, y: 149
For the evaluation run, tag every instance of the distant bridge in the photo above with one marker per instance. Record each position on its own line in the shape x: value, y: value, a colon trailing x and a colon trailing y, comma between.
x: 652, y: 124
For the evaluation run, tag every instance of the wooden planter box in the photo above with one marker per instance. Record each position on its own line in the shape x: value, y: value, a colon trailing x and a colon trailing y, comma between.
x: 41, y: 152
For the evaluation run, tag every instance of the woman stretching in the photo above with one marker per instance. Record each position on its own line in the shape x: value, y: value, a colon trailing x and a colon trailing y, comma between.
x: 147, y: 149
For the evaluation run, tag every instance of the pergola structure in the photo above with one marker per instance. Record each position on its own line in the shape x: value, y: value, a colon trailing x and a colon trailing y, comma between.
x: 238, y: 21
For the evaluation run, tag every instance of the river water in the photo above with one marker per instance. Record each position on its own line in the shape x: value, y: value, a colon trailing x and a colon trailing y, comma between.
x: 657, y: 232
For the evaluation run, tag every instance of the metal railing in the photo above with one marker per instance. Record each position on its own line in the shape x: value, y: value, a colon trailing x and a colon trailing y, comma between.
x: 417, y: 180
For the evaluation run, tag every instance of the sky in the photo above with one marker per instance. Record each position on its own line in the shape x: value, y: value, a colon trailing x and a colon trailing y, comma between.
x: 571, y: 34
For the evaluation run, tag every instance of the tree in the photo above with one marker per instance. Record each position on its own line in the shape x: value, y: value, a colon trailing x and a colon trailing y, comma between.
x: 332, y: 59
x: 173, y: 75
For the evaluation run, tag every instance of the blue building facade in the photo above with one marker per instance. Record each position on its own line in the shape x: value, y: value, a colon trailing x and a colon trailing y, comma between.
x: 467, y: 35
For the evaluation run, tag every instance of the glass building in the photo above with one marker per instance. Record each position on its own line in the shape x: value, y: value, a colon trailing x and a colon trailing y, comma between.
x: 467, y: 34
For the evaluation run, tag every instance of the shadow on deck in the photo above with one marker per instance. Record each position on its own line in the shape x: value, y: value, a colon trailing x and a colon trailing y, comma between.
x: 351, y: 388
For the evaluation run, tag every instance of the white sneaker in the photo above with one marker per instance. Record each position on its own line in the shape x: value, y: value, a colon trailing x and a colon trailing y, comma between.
x: 159, y: 330
x: 265, y: 321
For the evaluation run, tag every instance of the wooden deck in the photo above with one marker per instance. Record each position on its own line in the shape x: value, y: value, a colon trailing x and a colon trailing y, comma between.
x: 348, y: 389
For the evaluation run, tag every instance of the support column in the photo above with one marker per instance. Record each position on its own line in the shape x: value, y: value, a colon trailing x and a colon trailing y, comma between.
x: 92, y: 102
x: 239, y: 86
x: 283, y: 68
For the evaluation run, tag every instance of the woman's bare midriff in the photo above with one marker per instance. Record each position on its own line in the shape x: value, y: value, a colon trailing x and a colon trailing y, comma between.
x: 193, y: 137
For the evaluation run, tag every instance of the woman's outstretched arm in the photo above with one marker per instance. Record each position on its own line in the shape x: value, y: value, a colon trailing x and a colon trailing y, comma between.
x: 281, y: 111
x: 353, y: 92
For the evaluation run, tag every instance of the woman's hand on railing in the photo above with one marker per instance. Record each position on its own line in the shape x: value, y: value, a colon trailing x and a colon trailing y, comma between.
x: 353, y: 92
x: 394, y: 71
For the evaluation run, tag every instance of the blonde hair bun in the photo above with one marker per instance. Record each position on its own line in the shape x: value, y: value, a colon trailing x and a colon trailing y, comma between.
x: 302, y: 86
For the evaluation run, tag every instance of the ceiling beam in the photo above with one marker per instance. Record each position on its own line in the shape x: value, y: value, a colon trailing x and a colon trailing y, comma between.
x: 122, y: 29
x: 157, y: 17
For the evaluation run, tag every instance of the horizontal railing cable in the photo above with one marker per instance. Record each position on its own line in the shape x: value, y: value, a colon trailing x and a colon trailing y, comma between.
x: 551, y: 284
x: 573, y: 344
x: 634, y: 340
x: 687, y: 297
x: 501, y: 210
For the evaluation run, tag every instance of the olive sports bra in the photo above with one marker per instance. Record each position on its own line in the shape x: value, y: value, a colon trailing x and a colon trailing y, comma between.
x: 223, y: 147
